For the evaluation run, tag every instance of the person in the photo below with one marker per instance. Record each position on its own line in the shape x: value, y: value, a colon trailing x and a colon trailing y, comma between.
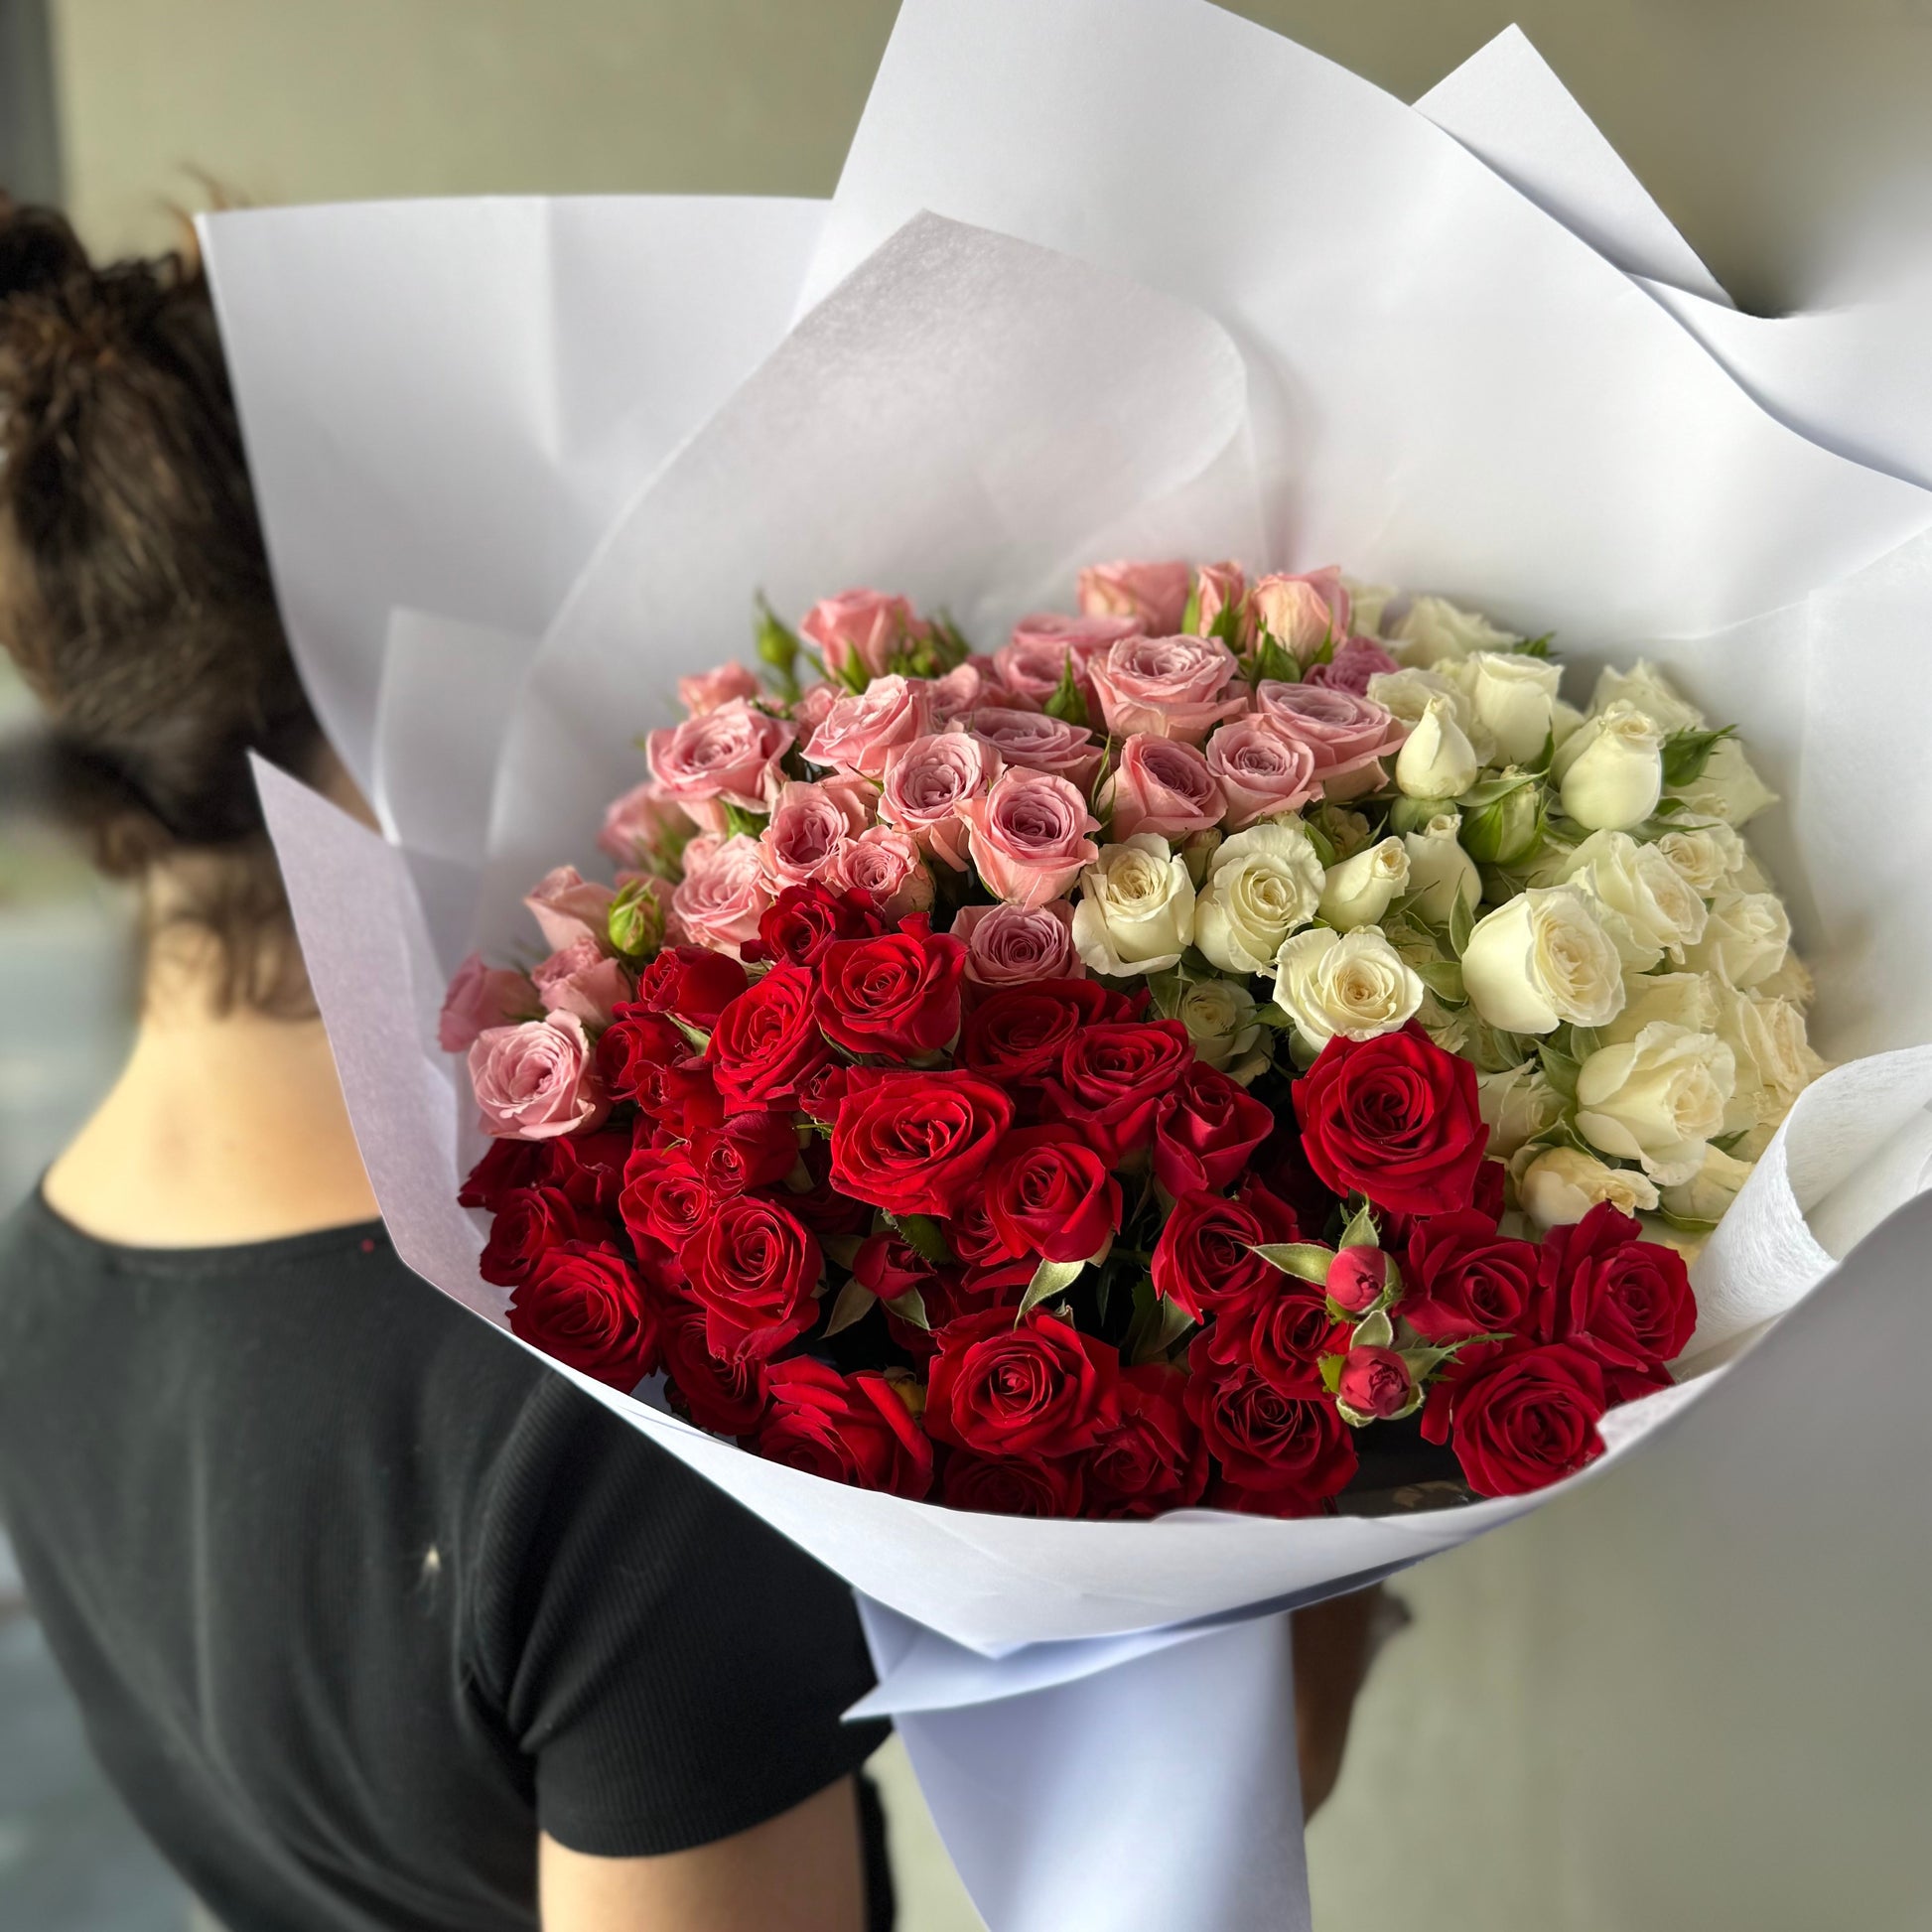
x: 374, y: 1619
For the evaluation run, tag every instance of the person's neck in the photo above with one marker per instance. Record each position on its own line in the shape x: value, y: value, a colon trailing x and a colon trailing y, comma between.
x: 223, y: 1128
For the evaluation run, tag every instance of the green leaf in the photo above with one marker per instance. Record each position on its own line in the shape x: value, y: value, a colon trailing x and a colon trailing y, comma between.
x: 1332, y: 1367
x: 1049, y: 1278
x: 1462, y: 922
x: 1533, y: 646
x: 777, y: 647
x: 1559, y: 1070
x: 1444, y: 978
x: 1273, y: 660
x: 1306, y: 1261
x: 1375, y: 1330
x: 1066, y: 702
x: 1272, y: 1016
x: 1190, y: 615
x: 740, y: 822
x: 910, y: 1307
x: 1687, y: 752
x: 854, y: 1303
x: 924, y: 1235
x: 953, y: 647
x: 1325, y: 846
x: 1361, y: 1231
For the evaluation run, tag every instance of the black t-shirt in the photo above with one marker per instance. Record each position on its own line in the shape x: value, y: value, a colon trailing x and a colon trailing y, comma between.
x: 355, y: 1595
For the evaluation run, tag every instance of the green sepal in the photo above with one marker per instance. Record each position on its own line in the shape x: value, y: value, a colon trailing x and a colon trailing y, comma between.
x: 1190, y: 611
x: 777, y: 647
x: 1462, y: 922
x: 1325, y: 846
x: 1374, y: 1332
x: 1332, y: 1367
x: 1066, y: 703
x: 741, y: 823
x: 1051, y: 1277
x: 1687, y: 752
x: 1444, y: 978
x: 854, y: 1303
x: 924, y: 1235
x: 1273, y: 660
x: 1361, y: 1231
x: 1306, y: 1261
x: 910, y: 1307
x: 1533, y: 646
x: 699, y: 1040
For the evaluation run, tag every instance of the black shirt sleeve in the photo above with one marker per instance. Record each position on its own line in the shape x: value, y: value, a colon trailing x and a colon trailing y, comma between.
x: 673, y: 1669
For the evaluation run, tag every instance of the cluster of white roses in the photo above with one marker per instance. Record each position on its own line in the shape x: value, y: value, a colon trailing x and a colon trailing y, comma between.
x: 1561, y: 896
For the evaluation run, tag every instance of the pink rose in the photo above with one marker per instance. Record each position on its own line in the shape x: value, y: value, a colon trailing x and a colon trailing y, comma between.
x: 1263, y: 768
x: 962, y: 690
x: 1028, y: 836
x: 567, y: 906
x: 1161, y: 785
x: 1173, y: 687
x: 536, y: 1081
x: 720, y: 905
x: 1155, y: 596
x: 1032, y: 663
x: 927, y: 781
x: 1008, y: 945
x: 728, y: 756
x: 1302, y: 613
x: 1351, y: 668
x: 1040, y: 743
x: 885, y: 864
x: 814, y: 706
x: 808, y: 831
x: 1349, y: 736
x: 583, y: 980
x: 862, y: 628
x: 482, y: 997
x: 710, y: 689
x: 638, y: 823
x: 859, y: 731
x: 1219, y: 586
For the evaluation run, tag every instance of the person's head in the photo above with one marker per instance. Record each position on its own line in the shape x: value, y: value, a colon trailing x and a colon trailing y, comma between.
x: 135, y: 594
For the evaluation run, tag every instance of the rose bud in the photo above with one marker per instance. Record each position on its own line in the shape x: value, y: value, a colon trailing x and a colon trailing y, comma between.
x: 1375, y: 1385
x: 1437, y: 760
x: 1440, y: 870
x: 1507, y: 830
x: 1610, y: 770
x: 1360, y: 890
x: 1358, y: 1277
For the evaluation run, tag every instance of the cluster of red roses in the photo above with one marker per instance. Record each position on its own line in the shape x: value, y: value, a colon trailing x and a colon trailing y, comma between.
x: 1076, y: 1314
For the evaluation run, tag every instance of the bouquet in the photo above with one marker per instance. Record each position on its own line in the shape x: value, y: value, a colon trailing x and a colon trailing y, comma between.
x: 1144, y: 1065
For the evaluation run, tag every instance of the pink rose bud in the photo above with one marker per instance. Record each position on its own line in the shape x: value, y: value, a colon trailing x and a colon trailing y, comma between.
x: 1009, y: 945
x: 1349, y: 736
x: 1155, y: 596
x: 858, y: 732
x: 1034, y: 660
x: 1375, y: 1382
x: 886, y: 864
x: 814, y: 706
x: 1302, y: 614
x: 1030, y: 836
x: 710, y: 689
x: 1221, y: 587
x: 1161, y: 785
x: 1263, y: 769
x: 1356, y: 1278
x: 807, y: 830
x: 482, y: 997
x: 1171, y: 686
x: 1040, y: 743
x: 866, y: 628
x: 720, y: 905
x: 584, y: 980
x: 728, y: 757
x: 962, y: 690
x: 1351, y: 668
x: 536, y: 1081
x: 927, y: 781
x: 637, y: 825
x: 567, y: 906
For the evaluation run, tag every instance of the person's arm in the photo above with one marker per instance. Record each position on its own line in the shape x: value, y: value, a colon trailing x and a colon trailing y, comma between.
x: 800, y: 1872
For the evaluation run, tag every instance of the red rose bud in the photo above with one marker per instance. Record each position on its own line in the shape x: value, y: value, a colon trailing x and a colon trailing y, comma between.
x: 1112, y: 1079
x: 846, y: 1428
x: 767, y: 1045
x: 1035, y: 1389
x: 803, y: 921
x: 1358, y: 1278
x: 886, y: 1266
x: 584, y: 1306
x: 1204, y: 1260
x: 1519, y: 1418
x: 1049, y: 1194
x: 1020, y: 1031
x: 751, y: 1150
x: 1205, y: 1130
x: 971, y: 1235
x: 754, y: 1266
x: 896, y: 995
x: 1394, y: 1118
x: 916, y: 1142
x: 589, y: 1168
x: 692, y: 982
x: 1375, y: 1384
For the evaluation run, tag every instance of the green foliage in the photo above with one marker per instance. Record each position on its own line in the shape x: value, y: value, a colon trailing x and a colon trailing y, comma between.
x: 1066, y: 701
x: 1687, y: 752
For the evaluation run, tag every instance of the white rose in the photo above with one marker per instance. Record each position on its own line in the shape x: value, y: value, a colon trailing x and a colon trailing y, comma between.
x: 1433, y: 627
x: 1745, y: 939
x: 1541, y: 959
x: 1679, y: 999
x: 1261, y: 885
x: 1358, y: 891
x: 1565, y: 720
x: 1792, y: 981
x: 1705, y: 853
x: 1709, y: 1192
x: 1515, y: 702
x: 1648, y: 909
x: 1366, y: 603
x: 1440, y: 870
x: 1137, y: 908
x: 1646, y: 687
x: 1728, y: 788
x: 1558, y: 1188
x: 1408, y: 693
x: 1657, y: 1100
x: 1517, y: 1104
x: 1437, y: 759
x: 1609, y: 772
x: 1774, y: 1059
x: 1354, y: 984
x: 1219, y: 1016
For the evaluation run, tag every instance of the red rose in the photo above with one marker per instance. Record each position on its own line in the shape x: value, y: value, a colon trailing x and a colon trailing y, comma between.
x: 766, y: 1043
x: 1626, y: 1300
x: 1006, y: 1485
x: 1282, y: 1331
x: 1203, y: 1260
x: 665, y: 1198
x: 589, y: 1168
x: 1153, y: 1459
x: 692, y: 982
x: 846, y: 1428
x: 1020, y: 1031
x: 1204, y: 1131
x: 529, y: 1221
x: 971, y: 1235
x: 1035, y: 1389
x: 1112, y: 1079
x: 915, y: 1142
x: 725, y: 1397
x: 897, y: 995
x: 584, y: 1306
x: 505, y: 1165
x: 1292, y: 1446
x: 1519, y: 1417
x: 1049, y: 1194
x: 1375, y: 1382
x: 1394, y: 1118
x: 1466, y: 1278
x: 819, y: 1093
x: 750, y: 1149
x: 754, y: 1267
x: 803, y: 921
x: 888, y: 1267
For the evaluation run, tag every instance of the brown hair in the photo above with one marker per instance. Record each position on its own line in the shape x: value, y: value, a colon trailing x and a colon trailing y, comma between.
x: 134, y: 588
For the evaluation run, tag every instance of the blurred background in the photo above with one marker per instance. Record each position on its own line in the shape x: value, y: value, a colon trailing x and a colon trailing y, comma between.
x: 1636, y: 1710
